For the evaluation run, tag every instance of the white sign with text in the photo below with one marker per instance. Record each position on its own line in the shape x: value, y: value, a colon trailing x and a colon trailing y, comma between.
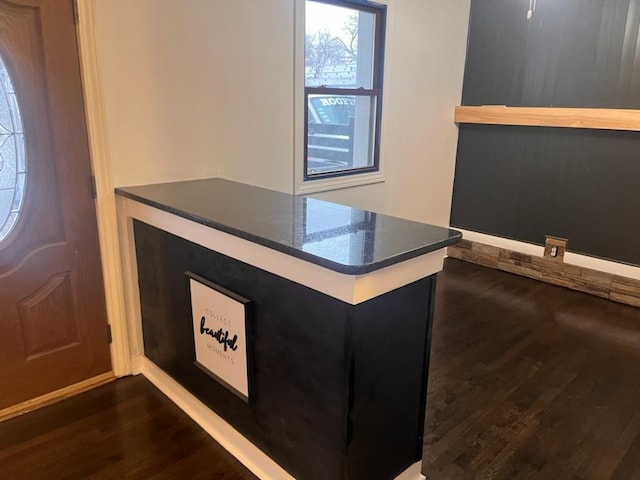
x: 220, y: 334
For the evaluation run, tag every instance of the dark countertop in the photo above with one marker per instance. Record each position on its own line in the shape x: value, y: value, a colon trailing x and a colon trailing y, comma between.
x: 341, y: 238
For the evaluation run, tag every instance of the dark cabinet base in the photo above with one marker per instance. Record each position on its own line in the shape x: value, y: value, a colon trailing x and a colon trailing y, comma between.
x: 338, y: 390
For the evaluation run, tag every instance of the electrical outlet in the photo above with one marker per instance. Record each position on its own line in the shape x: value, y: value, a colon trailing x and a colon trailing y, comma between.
x: 554, y: 248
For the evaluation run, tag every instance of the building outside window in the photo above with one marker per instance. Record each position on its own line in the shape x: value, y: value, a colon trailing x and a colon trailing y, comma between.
x: 344, y: 47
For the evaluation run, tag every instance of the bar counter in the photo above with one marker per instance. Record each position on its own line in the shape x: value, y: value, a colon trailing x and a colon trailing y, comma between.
x: 336, y: 307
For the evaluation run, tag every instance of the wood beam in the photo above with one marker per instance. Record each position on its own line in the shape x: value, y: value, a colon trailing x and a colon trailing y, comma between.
x: 590, y: 118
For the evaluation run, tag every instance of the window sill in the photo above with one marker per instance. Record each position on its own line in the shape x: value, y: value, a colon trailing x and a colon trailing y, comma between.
x: 317, y: 186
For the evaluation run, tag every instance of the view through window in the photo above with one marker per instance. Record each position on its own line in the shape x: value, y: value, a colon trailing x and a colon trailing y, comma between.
x: 343, y: 87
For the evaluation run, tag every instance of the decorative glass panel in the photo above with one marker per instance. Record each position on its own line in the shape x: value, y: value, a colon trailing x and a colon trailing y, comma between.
x: 13, y: 164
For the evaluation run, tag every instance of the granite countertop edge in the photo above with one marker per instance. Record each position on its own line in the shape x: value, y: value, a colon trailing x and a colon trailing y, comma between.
x: 294, y: 252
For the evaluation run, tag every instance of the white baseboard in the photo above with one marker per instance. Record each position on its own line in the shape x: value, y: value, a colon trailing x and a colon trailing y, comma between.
x: 412, y: 473
x: 231, y: 440
x: 584, y: 261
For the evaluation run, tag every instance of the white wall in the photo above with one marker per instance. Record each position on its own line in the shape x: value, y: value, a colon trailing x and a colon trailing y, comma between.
x: 201, y: 88
x: 251, y: 51
x: 150, y: 89
x: 424, y: 66
x: 197, y: 88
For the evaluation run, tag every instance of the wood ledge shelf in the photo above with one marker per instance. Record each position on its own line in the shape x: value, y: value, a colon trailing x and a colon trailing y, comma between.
x: 590, y: 118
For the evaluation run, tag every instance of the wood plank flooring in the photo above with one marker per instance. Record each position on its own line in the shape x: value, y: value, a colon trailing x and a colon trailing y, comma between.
x: 528, y: 381
x: 123, y: 430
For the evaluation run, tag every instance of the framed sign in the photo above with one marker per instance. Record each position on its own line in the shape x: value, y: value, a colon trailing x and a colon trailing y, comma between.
x: 220, y: 334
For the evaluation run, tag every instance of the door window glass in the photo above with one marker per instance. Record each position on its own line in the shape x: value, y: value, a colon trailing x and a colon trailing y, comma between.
x: 13, y: 166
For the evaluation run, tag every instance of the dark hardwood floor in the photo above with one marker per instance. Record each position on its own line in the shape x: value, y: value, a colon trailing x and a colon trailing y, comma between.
x: 123, y: 430
x: 528, y: 381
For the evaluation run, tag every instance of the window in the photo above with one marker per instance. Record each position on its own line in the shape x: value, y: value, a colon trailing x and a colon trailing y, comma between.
x: 344, y: 44
x: 13, y: 166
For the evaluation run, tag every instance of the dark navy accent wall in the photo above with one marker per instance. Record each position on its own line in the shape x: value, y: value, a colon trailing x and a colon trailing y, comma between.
x: 572, y: 53
x: 524, y: 183
x: 527, y: 182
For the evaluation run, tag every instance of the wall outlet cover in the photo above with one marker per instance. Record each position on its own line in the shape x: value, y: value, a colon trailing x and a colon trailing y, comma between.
x: 555, y: 248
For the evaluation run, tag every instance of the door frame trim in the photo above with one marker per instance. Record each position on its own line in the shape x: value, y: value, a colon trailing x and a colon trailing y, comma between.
x: 105, y: 200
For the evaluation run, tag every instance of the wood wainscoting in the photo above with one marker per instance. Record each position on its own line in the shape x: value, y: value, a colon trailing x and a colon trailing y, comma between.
x: 601, y: 284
